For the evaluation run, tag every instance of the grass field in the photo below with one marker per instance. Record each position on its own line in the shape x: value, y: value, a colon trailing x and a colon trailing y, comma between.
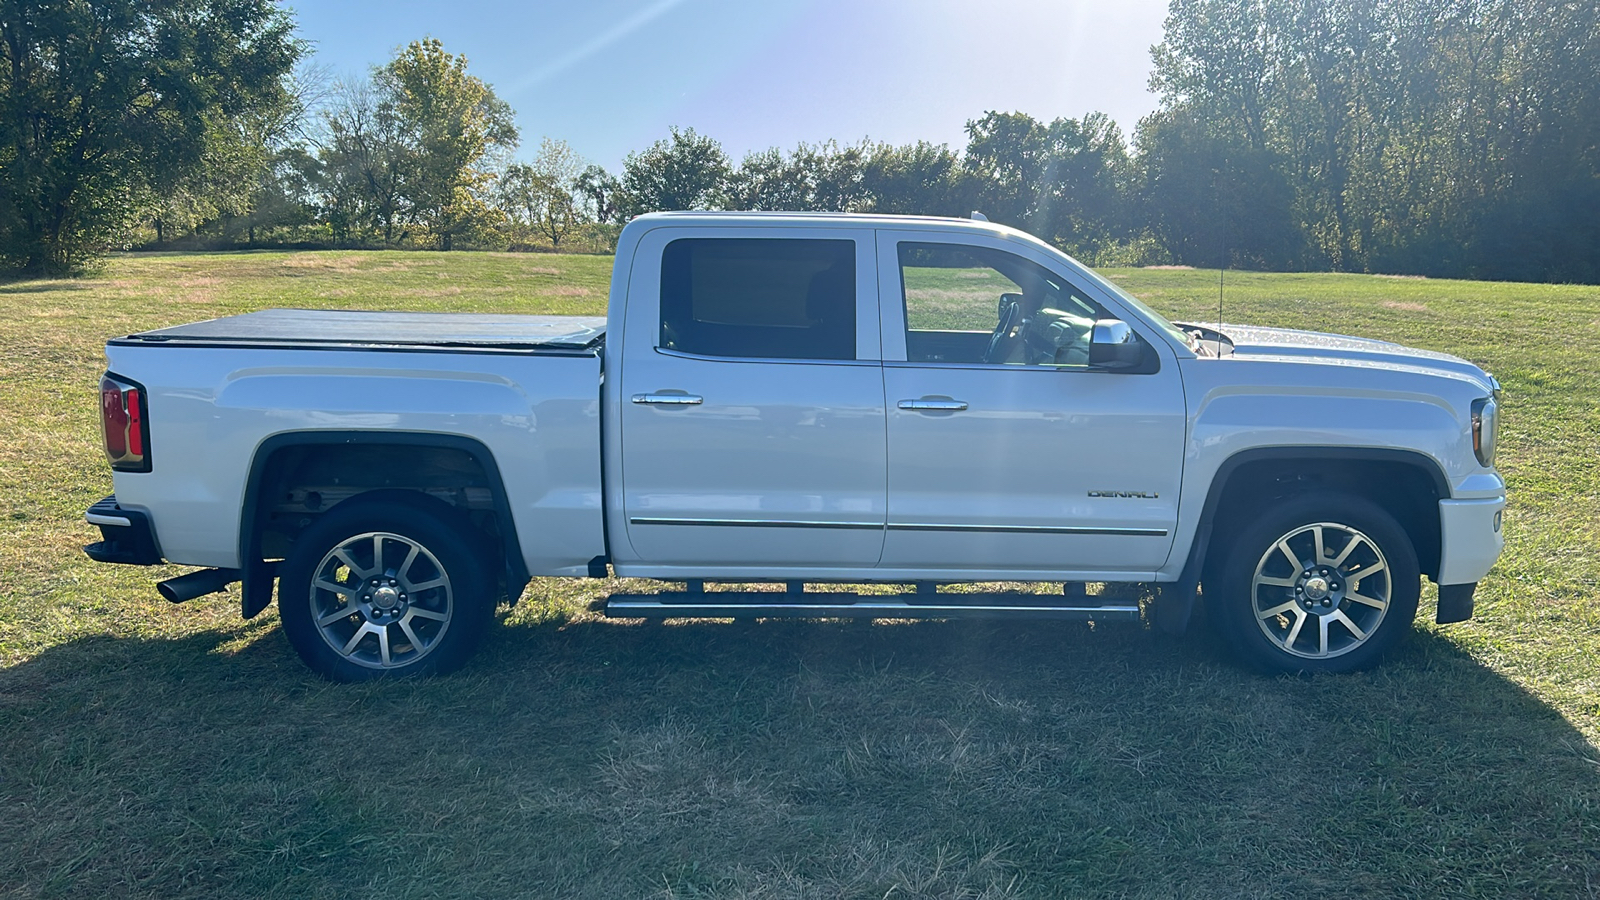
x: 152, y: 750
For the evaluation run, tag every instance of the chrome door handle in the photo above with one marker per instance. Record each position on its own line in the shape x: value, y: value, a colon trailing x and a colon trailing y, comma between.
x: 669, y: 399
x: 946, y: 405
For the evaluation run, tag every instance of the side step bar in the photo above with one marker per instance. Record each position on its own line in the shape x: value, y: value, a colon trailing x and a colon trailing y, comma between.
x: 774, y: 605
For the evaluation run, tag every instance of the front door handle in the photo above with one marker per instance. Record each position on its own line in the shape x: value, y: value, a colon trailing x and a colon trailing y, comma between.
x: 940, y: 404
x: 669, y: 399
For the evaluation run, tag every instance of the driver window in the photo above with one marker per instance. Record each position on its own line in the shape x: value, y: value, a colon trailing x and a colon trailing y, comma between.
x: 979, y: 305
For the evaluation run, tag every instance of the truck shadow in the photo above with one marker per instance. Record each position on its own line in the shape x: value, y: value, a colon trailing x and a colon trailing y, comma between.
x: 1050, y: 746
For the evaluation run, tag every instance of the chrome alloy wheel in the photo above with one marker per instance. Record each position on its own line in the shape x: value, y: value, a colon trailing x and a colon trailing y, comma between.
x: 1321, y: 590
x: 381, y: 600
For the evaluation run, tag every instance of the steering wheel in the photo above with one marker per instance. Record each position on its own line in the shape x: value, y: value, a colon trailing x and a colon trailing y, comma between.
x: 1002, y: 332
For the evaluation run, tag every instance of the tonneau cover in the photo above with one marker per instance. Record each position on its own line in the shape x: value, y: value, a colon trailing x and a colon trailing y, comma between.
x: 353, y: 328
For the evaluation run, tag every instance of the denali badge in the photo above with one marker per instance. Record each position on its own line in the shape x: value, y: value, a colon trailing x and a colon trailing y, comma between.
x: 1143, y: 495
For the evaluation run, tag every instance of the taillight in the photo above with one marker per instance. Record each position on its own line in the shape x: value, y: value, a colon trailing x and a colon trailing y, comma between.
x: 122, y: 422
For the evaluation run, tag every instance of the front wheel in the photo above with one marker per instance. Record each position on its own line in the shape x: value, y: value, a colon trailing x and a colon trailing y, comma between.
x: 385, y: 585
x: 1320, y: 583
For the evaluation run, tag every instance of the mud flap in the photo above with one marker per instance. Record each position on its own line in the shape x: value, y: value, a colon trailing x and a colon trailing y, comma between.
x: 1455, y: 603
x: 255, y: 593
x: 1174, y: 606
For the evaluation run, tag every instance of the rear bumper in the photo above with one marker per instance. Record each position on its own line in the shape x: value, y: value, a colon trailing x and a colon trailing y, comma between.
x: 126, y: 535
x: 1470, y: 538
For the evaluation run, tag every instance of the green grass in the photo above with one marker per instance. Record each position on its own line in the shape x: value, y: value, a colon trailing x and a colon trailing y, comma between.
x: 154, y: 750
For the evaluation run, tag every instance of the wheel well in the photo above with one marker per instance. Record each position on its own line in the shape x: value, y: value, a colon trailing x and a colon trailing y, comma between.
x: 1406, y: 490
x: 297, y: 478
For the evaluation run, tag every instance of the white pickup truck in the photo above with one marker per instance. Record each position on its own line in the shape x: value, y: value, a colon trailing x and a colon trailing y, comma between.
x: 804, y: 399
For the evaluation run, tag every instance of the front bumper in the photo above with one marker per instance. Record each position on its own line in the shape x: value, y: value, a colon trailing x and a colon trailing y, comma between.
x: 1470, y: 538
x: 126, y: 535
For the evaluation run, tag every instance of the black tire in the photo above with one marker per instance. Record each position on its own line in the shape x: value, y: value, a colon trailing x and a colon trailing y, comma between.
x: 410, y: 574
x: 1339, y: 608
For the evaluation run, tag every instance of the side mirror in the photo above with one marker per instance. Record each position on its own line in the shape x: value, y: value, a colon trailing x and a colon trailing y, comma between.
x: 1113, y: 345
x: 1006, y: 301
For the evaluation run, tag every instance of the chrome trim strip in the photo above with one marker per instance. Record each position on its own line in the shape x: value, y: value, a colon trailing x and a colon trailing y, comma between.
x: 754, y: 523
x: 1028, y: 529
x: 995, y: 367
x: 94, y: 518
x: 679, y: 354
x: 902, y: 526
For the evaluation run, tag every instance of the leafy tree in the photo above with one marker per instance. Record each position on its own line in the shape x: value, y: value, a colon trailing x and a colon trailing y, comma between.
x: 219, y: 187
x: 276, y: 184
x: 285, y: 195
x: 916, y: 179
x: 837, y: 175
x: 600, y: 194
x: 767, y: 181
x: 452, y: 121
x: 820, y: 178
x: 368, y: 157
x: 242, y: 167
x: 1451, y: 137
x: 414, y: 146
x: 105, y: 101
x: 1005, y: 158
x: 557, y: 169
x: 1216, y: 202
x: 1218, y: 58
x: 683, y: 171
x: 519, y: 195
x: 1087, y: 192
x: 539, y: 196
x: 1066, y: 181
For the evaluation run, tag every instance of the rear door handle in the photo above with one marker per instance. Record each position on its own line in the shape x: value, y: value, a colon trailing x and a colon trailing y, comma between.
x: 929, y: 403
x: 669, y: 399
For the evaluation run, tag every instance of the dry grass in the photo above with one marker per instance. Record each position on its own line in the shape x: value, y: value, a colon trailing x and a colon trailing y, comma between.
x: 151, y: 750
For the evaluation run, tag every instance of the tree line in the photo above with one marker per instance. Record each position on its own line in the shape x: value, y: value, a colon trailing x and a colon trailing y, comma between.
x: 1438, y: 137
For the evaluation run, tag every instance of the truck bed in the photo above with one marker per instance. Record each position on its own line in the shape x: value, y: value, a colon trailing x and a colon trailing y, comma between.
x: 525, y: 390
x: 355, y: 329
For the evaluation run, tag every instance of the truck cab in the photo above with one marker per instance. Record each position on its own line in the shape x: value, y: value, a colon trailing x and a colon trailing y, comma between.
x: 833, y: 400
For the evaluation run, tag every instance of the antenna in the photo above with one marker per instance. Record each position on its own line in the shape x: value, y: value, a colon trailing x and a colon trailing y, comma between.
x: 1222, y: 264
x: 1221, y: 270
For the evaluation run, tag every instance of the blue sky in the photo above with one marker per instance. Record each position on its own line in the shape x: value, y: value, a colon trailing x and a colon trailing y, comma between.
x: 610, y: 76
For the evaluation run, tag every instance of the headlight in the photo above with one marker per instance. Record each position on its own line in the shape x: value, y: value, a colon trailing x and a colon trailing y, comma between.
x: 1485, y: 429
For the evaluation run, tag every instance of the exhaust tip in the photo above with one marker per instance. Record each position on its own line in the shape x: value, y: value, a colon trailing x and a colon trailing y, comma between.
x: 196, y: 584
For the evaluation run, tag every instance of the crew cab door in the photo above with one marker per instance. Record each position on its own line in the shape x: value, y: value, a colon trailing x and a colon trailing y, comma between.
x: 753, y: 430
x: 1008, y: 451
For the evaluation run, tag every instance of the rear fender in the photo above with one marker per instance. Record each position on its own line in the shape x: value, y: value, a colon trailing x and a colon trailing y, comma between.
x: 266, y: 469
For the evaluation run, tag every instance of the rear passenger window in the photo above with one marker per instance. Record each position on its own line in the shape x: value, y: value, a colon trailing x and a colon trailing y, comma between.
x: 759, y: 298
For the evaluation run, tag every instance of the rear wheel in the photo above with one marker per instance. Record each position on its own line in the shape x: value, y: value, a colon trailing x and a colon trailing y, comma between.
x: 1319, y: 583
x: 386, y: 585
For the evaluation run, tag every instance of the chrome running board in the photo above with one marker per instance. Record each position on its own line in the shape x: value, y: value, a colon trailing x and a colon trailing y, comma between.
x: 823, y: 605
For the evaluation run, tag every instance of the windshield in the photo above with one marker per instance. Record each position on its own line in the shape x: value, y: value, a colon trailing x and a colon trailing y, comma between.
x: 1187, y: 338
x: 1184, y: 337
